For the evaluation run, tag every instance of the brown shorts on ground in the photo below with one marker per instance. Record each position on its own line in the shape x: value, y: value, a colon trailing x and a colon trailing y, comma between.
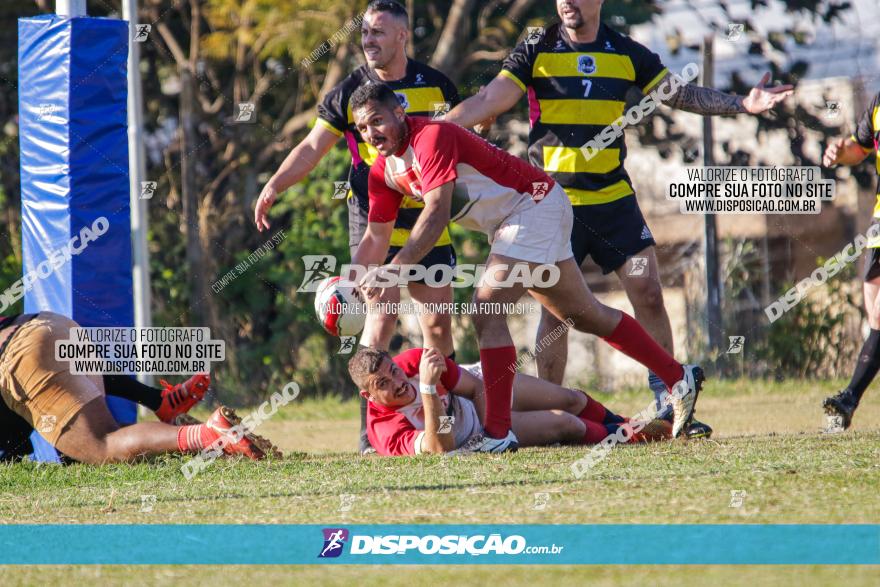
x: 36, y: 386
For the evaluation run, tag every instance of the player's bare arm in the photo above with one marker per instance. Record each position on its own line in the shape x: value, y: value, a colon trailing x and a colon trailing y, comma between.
x: 431, y: 367
x: 498, y: 97
x: 844, y: 152
x: 428, y: 228
x: 712, y: 102
x: 295, y: 167
x: 372, y: 250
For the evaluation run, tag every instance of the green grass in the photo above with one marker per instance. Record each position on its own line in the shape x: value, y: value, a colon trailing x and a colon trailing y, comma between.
x: 787, y: 479
x: 513, y: 576
x: 766, y: 443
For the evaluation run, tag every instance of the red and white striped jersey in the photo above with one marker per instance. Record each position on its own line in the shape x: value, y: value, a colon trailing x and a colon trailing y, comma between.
x: 490, y: 183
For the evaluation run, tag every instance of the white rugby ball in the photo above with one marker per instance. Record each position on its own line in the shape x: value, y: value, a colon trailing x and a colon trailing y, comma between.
x: 339, y: 310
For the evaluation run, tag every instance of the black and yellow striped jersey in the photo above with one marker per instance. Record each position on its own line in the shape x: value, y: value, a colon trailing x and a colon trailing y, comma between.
x: 575, y: 90
x: 867, y: 135
x: 423, y: 91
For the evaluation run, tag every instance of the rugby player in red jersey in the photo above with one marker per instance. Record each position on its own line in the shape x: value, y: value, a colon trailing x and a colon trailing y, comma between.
x: 409, y: 396
x: 527, y: 217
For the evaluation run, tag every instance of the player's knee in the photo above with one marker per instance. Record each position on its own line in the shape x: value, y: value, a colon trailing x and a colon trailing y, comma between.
x: 575, y: 401
x: 583, y: 321
x: 91, y: 451
x: 570, y: 427
x: 648, y: 296
x: 486, y: 311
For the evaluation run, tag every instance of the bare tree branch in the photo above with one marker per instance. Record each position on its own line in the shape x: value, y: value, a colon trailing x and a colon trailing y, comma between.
x: 335, y: 73
x: 484, y: 55
x: 446, y: 53
x: 176, y: 50
x: 519, y: 9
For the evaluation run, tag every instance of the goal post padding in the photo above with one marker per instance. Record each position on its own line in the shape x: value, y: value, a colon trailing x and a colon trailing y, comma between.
x: 74, y: 170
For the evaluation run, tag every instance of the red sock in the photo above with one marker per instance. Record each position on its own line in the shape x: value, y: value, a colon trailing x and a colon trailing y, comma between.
x: 499, y: 369
x: 195, y: 438
x: 594, y: 411
x: 595, y: 432
x: 631, y: 339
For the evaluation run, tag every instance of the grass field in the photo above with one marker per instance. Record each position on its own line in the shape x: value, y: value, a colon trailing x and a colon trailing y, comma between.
x: 767, y: 443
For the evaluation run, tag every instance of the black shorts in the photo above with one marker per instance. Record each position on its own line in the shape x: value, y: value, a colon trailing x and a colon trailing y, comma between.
x: 609, y: 233
x: 357, y: 220
x: 357, y: 226
x: 15, y: 432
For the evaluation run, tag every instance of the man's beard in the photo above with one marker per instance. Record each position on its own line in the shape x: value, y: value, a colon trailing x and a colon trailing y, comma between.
x: 575, y: 22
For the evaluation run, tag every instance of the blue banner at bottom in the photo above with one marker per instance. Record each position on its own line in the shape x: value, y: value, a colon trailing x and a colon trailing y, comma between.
x: 441, y: 544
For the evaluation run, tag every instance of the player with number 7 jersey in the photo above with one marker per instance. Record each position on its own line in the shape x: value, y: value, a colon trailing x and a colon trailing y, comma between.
x: 528, y: 219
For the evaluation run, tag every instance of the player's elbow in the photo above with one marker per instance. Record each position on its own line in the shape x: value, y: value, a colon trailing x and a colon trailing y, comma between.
x: 433, y: 448
x: 437, y: 449
x: 437, y: 444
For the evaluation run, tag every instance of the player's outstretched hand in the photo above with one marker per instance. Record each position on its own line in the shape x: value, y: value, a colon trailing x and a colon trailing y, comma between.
x: 264, y: 202
x: 432, y: 366
x: 833, y: 152
x: 369, y: 290
x: 762, y: 98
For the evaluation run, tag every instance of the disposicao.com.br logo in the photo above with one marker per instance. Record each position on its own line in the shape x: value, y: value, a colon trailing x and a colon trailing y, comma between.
x: 431, y: 544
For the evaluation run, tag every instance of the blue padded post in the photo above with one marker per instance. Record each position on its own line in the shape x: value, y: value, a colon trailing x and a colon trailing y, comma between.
x: 74, y: 169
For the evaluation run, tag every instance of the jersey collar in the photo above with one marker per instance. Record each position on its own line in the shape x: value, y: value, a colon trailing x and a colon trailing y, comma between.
x: 599, y: 42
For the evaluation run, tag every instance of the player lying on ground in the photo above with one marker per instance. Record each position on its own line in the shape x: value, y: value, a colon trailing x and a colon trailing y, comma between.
x: 71, y: 410
x: 577, y: 75
x: 852, y: 151
x: 528, y: 219
x: 408, y: 395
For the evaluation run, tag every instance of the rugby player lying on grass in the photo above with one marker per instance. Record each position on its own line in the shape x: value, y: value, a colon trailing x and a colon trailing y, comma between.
x: 408, y: 395
x: 71, y: 410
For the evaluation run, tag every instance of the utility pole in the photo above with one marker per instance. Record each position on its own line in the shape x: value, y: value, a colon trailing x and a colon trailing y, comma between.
x: 136, y: 175
x: 70, y: 8
x: 710, y: 248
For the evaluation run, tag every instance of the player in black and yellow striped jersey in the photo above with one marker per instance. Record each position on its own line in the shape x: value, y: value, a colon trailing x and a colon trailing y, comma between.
x: 422, y: 91
x: 852, y: 151
x: 576, y: 74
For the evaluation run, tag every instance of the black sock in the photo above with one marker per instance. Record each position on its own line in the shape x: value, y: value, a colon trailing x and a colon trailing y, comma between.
x: 365, y: 440
x: 867, y: 365
x: 131, y: 389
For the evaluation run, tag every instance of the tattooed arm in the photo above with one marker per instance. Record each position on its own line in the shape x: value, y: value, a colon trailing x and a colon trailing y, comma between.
x: 710, y: 102
x: 705, y: 101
